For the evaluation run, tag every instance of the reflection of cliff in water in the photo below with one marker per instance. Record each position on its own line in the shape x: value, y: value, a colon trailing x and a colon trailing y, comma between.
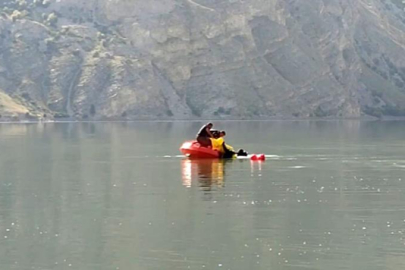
x: 206, y: 172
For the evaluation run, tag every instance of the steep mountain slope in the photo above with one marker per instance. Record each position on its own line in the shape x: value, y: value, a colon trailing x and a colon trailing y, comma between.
x: 109, y: 59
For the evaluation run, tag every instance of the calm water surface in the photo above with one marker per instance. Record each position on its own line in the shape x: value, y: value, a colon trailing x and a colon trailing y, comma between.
x: 117, y: 196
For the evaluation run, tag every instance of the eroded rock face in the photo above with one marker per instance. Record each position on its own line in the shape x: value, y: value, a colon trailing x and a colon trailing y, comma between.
x: 204, y: 58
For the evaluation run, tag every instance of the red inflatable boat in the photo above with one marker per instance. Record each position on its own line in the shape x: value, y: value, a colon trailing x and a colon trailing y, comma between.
x: 193, y: 149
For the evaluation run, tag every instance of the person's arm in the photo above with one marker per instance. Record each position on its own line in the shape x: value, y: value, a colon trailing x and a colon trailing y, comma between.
x: 227, y: 148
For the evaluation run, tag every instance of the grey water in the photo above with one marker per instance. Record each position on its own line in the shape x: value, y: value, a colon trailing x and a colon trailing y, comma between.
x: 331, y: 195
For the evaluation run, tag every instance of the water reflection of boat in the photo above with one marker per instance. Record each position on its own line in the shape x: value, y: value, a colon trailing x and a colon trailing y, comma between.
x: 207, y: 172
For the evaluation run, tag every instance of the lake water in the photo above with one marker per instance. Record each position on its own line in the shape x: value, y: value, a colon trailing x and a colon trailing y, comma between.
x: 331, y: 195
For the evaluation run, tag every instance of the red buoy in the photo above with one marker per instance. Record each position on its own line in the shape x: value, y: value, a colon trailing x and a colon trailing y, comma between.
x: 261, y: 157
x: 253, y: 157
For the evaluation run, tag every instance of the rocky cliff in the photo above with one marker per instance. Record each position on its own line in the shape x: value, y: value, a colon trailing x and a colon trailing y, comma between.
x: 137, y: 59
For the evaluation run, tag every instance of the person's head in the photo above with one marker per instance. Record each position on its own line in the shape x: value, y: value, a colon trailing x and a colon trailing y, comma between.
x: 210, y: 125
x: 222, y: 134
x: 242, y: 153
x: 215, y: 133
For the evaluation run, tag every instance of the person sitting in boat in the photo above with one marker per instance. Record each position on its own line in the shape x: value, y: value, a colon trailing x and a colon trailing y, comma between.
x: 204, y: 135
